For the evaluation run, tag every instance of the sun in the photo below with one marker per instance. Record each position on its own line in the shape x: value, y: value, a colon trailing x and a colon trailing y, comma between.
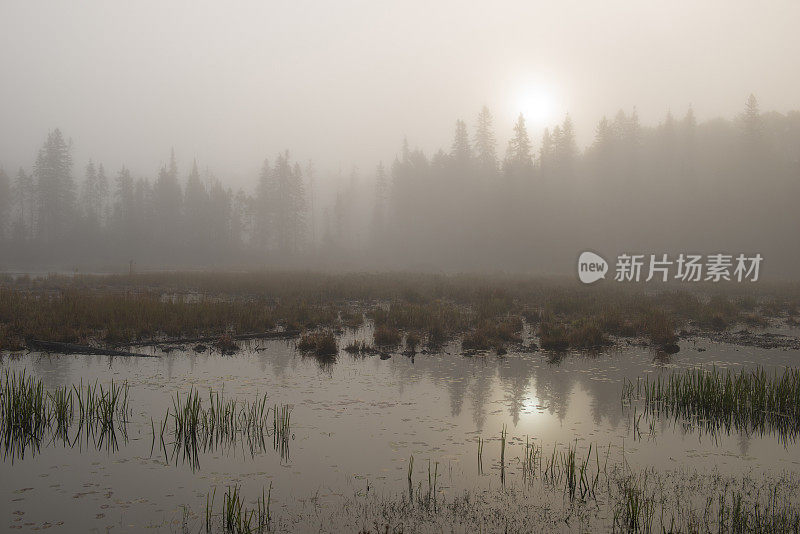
x: 537, y: 104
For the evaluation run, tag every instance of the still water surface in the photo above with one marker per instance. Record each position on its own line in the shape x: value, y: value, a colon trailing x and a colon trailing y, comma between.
x: 355, y: 423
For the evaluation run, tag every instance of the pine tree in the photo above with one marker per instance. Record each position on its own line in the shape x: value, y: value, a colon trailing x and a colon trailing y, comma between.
x: 24, y: 194
x: 262, y: 208
x: 296, y: 209
x: 93, y: 194
x: 219, y: 216
x: 5, y: 203
x: 381, y: 185
x: 546, y: 152
x: 485, y: 143
x: 240, y: 218
x: 125, y: 200
x: 668, y: 129
x: 518, y: 155
x: 379, y: 208
x: 55, y: 188
x: 603, y: 137
x: 461, y: 152
x: 101, y: 194
x: 312, y: 208
x: 89, y: 179
x: 688, y: 128
x: 632, y: 131
x: 195, y: 205
x: 751, y: 122
x: 167, y: 199
x: 142, y: 229
x: 566, y: 147
x: 667, y: 136
x: 604, y: 149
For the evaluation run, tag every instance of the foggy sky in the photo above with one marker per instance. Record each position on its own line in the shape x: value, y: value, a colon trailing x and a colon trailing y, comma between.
x: 231, y: 83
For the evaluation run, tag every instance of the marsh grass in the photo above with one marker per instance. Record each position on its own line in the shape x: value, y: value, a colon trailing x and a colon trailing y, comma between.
x: 747, y: 401
x: 319, y: 343
x: 635, y: 507
x: 578, y: 477
x: 76, y: 316
x: 413, y: 340
x: 30, y: 415
x: 281, y: 429
x: 553, y: 336
x: 579, y: 491
x: 487, y: 310
x: 587, y: 335
x: 494, y: 334
x: 386, y: 336
x: 220, y: 422
x: 531, y: 460
x: 235, y: 516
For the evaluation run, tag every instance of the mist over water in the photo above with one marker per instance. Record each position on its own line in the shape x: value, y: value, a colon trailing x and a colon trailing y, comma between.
x: 445, y: 137
x: 356, y: 266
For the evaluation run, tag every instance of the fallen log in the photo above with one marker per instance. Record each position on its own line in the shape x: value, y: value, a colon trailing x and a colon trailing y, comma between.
x: 72, y: 348
x: 283, y: 334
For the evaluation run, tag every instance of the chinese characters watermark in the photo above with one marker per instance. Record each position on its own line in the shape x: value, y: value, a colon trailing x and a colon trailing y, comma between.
x: 661, y: 267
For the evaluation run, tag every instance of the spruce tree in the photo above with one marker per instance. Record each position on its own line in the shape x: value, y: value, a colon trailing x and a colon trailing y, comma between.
x: 195, y: 205
x: 518, y: 155
x: 5, y: 203
x: 55, y: 188
x: 461, y: 152
x: 485, y: 142
x: 24, y: 199
x: 167, y: 206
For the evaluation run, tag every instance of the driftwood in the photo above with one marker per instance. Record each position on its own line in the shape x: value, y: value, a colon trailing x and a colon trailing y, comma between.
x: 284, y: 334
x: 72, y: 348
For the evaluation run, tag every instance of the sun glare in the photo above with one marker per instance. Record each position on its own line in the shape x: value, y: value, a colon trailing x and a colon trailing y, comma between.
x: 537, y: 105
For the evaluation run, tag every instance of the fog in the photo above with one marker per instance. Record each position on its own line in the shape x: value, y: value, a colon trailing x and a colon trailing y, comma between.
x: 182, y: 102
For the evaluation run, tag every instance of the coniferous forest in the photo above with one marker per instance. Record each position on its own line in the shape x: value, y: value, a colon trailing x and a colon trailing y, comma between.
x: 728, y: 184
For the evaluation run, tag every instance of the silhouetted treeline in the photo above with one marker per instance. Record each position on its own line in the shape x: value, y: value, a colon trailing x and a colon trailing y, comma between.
x: 721, y: 186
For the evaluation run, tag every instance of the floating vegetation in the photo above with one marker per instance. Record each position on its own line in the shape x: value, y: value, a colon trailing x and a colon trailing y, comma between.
x: 224, y: 423
x: 745, y: 401
x: 30, y: 415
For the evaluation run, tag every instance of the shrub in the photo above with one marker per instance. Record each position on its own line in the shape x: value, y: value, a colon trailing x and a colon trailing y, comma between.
x: 386, y: 336
x: 320, y: 343
x: 587, y: 335
x: 553, y: 336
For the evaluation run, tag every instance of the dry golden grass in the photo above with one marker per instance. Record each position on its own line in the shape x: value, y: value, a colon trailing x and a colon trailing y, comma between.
x: 487, y: 310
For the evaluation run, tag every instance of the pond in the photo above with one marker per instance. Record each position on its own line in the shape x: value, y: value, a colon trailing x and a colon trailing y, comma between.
x: 356, y: 422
